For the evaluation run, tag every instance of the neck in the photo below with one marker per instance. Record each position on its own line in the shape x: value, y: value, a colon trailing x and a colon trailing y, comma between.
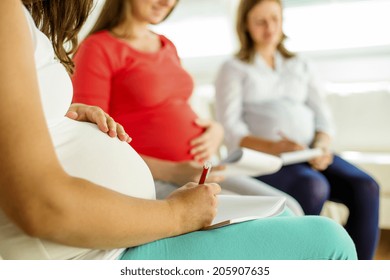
x: 268, y: 55
x: 131, y: 30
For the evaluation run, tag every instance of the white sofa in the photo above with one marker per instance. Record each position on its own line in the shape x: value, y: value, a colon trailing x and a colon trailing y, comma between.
x: 363, y: 137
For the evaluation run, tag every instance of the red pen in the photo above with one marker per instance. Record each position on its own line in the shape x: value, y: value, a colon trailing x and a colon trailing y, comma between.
x: 206, y: 170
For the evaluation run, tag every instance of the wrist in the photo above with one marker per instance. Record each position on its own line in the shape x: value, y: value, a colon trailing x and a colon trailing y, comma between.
x: 176, y: 213
x: 322, y: 144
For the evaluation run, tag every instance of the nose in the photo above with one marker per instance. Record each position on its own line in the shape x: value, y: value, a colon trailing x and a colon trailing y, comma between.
x: 270, y: 26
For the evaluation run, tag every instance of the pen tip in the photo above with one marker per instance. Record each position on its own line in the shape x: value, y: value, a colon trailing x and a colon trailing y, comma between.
x: 207, y: 164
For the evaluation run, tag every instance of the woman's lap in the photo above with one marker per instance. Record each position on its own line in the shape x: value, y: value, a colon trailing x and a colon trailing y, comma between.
x: 341, y: 182
x: 282, y: 237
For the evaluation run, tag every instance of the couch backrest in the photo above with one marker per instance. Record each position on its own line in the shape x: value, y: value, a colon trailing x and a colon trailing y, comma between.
x: 362, y: 121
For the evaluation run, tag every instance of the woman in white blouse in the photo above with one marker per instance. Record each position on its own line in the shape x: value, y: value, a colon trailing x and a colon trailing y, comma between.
x: 268, y: 100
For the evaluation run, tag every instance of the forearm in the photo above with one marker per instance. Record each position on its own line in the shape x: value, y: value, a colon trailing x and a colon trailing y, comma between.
x: 321, y: 140
x: 257, y: 143
x: 75, y: 212
x: 160, y: 169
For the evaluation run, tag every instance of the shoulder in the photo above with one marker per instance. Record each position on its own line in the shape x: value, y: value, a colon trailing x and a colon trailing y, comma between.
x: 234, y: 65
x: 30, y: 21
x: 165, y: 40
x: 99, y: 47
x: 167, y: 43
x: 98, y: 39
x: 97, y: 50
x: 298, y: 64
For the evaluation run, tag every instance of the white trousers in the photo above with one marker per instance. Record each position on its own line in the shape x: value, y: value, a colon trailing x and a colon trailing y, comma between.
x: 239, y: 185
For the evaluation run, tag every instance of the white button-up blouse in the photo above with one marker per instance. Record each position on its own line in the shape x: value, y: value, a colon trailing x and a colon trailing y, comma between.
x: 254, y: 99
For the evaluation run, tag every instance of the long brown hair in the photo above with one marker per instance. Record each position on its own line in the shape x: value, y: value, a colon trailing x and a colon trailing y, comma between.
x: 114, y: 13
x: 247, y: 46
x: 61, y: 21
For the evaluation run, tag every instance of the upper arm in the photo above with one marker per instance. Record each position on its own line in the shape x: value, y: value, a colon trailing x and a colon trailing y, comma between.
x: 229, y: 102
x: 27, y: 152
x: 92, y: 76
x: 317, y: 102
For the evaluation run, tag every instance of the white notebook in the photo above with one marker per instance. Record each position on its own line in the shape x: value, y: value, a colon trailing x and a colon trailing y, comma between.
x: 234, y: 209
x: 300, y: 156
x: 247, y: 162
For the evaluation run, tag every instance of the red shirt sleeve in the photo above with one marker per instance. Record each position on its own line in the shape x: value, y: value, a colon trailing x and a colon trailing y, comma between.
x: 92, y: 76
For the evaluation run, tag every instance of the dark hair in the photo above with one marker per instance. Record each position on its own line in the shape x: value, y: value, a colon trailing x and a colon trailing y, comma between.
x: 247, y: 46
x: 61, y: 21
x: 114, y: 12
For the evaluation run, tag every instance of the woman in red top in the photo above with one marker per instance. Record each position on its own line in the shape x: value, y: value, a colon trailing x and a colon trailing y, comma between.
x: 136, y: 76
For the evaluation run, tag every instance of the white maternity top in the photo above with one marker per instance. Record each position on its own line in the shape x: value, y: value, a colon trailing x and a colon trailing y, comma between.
x: 83, y: 150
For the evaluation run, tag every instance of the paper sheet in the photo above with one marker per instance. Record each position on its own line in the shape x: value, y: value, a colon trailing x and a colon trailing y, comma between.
x: 239, y: 208
x: 300, y: 156
x: 247, y: 162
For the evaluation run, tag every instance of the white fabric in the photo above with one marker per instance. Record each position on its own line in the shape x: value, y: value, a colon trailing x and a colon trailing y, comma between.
x: 239, y: 185
x: 83, y: 151
x: 254, y: 99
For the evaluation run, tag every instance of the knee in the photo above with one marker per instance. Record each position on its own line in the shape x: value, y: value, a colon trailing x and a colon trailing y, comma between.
x: 335, y: 240
x: 315, y: 187
x: 312, y: 192
x: 370, y: 186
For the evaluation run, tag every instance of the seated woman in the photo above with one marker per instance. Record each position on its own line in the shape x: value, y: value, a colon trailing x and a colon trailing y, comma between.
x: 135, y: 75
x: 68, y: 191
x: 268, y: 100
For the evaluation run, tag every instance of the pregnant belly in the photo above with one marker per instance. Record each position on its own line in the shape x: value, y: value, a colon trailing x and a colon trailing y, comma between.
x: 163, y: 133
x: 86, y: 152
x: 295, y: 121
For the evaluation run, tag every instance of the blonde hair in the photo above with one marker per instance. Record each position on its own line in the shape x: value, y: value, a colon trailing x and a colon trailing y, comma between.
x: 247, y: 50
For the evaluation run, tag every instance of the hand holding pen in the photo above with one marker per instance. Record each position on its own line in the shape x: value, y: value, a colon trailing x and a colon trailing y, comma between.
x: 196, y: 203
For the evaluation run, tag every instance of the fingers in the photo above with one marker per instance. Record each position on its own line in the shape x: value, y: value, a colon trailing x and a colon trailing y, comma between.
x: 282, y: 135
x: 200, y: 139
x: 122, y: 135
x: 321, y: 163
x: 104, y: 122
x: 203, y: 155
x: 201, y: 148
x: 212, y: 130
x: 215, y: 178
x: 107, y: 124
x: 195, y: 205
x: 72, y: 115
x: 94, y: 114
x: 203, y: 122
x: 212, y: 188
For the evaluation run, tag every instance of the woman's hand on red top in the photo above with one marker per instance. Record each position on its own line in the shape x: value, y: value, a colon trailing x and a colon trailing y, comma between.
x: 207, y: 144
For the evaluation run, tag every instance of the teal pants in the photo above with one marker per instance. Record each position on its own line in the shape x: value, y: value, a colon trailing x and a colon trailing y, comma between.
x: 279, y: 238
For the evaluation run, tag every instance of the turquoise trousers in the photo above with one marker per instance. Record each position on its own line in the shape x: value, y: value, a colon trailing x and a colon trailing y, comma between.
x: 284, y: 237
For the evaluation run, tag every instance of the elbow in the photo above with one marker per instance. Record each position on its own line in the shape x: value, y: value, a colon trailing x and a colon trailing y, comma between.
x: 36, y: 204
x: 39, y: 216
x: 37, y: 222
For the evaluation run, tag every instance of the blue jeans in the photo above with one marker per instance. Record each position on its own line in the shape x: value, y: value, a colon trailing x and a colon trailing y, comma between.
x: 340, y: 182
